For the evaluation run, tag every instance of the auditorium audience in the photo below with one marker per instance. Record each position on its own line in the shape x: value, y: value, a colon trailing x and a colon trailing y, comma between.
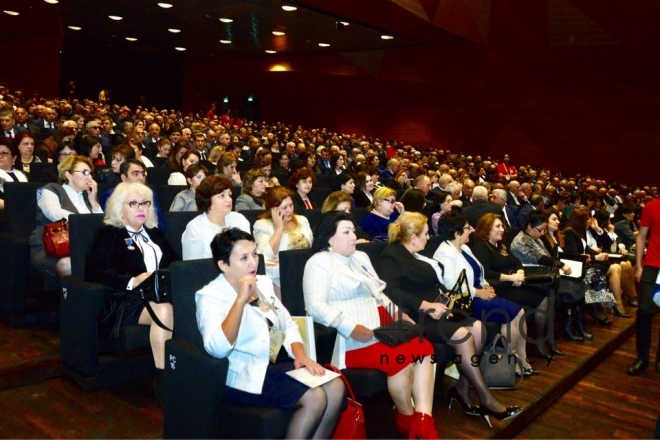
x: 253, y: 191
x: 383, y: 211
x: 185, y: 200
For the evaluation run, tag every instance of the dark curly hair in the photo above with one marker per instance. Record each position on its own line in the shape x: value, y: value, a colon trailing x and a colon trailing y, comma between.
x: 209, y: 187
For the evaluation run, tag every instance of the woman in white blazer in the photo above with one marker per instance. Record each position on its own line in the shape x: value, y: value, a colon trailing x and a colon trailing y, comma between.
x: 236, y: 313
x: 342, y: 290
x: 280, y: 229
x: 455, y: 255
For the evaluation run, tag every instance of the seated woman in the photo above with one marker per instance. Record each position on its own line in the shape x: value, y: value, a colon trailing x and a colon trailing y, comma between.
x: 280, y: 229
x: 455, y: 255
x: 283, y: 164
x: 235, y: 314
x: 226, y: 167
x: 24, y: 141
x: 214, y: 200
x: 301, y: 183
x: 340, y: 201
x: 343, y: 291
x: 63, y: 136
x: 364, y: 187
x: 90, y: 146
x: 177, y: 178
x: 308, y: 159
x: 185, y: 200
x: 118, y: 155
x: 624, y: 217
x: 413, y: 283
x: 253, y: 191
x: 77, y: 193
x: 383, y: 211
x: 345, y: 182
x: 503, y: 270
x: 441, y: 207
x: 8, y: 155
x: 575, y: 242
x: 609, y: 242
x: 176, y: 155
x: 125, y: 252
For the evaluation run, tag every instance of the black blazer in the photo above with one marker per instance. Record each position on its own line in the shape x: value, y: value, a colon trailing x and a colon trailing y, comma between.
x: 479, y: 208
x: 360, y: 199
x: 113, y: 264
x: 409, y: 280
x: 299, y: 205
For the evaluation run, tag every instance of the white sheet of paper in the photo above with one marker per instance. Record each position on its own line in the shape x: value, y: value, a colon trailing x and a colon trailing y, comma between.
x: 304, y: 376
x: 576, y: 268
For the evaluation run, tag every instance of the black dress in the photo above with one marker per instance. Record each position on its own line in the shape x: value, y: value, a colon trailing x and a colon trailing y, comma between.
x: 411, y: 281
x: 497, y: 261
x: 113, y: 262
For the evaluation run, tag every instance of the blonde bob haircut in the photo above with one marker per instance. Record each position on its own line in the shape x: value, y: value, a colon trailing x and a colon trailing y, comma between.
x: 67, y: 165
x: 407, y: 225
x: 113, y: 214
x: 381, y: 194
x: 334, y: 199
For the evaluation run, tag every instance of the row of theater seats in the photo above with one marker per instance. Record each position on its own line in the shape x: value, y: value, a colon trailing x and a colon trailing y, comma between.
x: 27, y: 297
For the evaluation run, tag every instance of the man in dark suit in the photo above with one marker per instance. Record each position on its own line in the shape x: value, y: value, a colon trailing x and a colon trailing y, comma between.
x: 480, y: 206
x: 512, y: 195
x: 324, y: 163
x: 466, y: 194
x: 535, y: 204
x: 499, y: 196
x: 7, y: 128
x: 21, y: 121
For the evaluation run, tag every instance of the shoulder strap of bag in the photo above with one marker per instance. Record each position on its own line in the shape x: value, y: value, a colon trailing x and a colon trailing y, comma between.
x: 158, y: 322
x: 348, y: 385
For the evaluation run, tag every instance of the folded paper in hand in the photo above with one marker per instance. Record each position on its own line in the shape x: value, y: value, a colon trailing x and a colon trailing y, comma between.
x: 303, y: 375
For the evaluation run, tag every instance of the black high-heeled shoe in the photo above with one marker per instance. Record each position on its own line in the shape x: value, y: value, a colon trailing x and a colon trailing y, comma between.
x: 630, y: 300
x: 528, y: 372
x: 601, y: 318
x: 453, y: 396
x: 555, y: 350
x: 510, y: 411
x: 621, y: 314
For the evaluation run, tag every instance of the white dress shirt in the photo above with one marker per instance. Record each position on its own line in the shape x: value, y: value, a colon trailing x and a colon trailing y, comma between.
x: 196, y: 239
x: 51, y: 207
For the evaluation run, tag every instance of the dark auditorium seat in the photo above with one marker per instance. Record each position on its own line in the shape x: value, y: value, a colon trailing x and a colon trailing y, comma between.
x: 166, y: 194
x: 175, y: 225
x: 193, y: 405
x: 159, y: 176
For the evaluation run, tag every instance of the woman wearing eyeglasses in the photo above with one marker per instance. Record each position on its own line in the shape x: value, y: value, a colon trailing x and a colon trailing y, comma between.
x: 124, y: 254
x: 383, y: 211
x: 76, y: 193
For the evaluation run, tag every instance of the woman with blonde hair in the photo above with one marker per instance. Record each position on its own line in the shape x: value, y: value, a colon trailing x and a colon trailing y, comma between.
x: 383, y: 211
x: 123, y: 256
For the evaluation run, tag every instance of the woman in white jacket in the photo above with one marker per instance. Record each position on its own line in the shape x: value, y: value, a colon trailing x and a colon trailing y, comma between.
x: 236, y: 313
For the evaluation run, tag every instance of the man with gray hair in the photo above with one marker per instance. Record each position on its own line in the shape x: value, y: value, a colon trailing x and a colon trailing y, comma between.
x: 499, y: 196
x: 480, y: 206
x: 512, y: 196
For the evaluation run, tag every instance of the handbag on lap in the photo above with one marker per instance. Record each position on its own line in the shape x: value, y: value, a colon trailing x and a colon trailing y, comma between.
x: 56, y: 239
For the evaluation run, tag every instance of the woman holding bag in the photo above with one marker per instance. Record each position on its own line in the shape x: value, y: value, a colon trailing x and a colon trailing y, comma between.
x: 124, y: 254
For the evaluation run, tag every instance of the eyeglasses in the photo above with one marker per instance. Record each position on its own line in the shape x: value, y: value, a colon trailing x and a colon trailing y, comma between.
x: 83, y: 172
x: 5, y: 153
x: 390, y: 200
x: 134, y: 204
x: 95, y: 128
x: 67, y: 154
x: 541, y: 230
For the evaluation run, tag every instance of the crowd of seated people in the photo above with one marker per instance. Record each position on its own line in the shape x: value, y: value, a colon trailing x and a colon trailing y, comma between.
x: 508, y: 216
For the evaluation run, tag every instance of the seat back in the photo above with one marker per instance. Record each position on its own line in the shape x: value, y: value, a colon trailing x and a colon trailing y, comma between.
x: 159, y: 176
x: 187, y: 278
x: 21, y: 207
x: 82, y: 230
x: 318, y: 195
x: 175, y: 225
x: 372, y: 249
x: 251, y: 215
x: 166, y: 194
x: 292, y: 269
x: 432, y: 246
x: 312, y: 215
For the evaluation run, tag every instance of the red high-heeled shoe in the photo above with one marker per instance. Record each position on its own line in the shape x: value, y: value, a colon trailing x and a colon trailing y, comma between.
x: 403, y: 422
x: 423, y: 426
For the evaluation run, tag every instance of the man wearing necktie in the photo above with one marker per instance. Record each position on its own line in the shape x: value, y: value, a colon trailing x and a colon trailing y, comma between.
x: 47, y: 125
x: 7, y: 122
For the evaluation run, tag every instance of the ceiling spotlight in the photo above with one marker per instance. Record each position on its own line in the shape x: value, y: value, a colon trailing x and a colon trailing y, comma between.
x: 174, y: 31
x: 180, y: 49
x: 165, y: 5
x: 131, y: 39
x: 115, y: 17
x: 278, y: 33
x: 289, y: 8
x: 10, y: 12
x: 225, y: 41
x: 75, y: 28
x: 386, y: 37
x: 345, y: 23
x: 270, y: 51
x: 324, y: 45
x: 226, y: 20
x: 52, y: 2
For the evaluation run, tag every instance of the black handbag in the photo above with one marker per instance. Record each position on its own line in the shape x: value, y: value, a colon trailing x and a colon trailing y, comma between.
x: 498, y: 365
x: 396, y: 332
x: 157, y: 288
x: 460, y: 298
x: 541, y: 278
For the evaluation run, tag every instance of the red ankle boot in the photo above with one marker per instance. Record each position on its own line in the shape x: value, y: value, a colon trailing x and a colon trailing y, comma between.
x: 403, y: 422
x: 423, y: 426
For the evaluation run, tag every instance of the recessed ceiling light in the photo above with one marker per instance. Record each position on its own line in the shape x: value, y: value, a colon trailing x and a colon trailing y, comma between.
x: 278, y: 33
x: 165, y: 5
x: 10, y: 12
x: 225, y: 41
x: 345, y: 23
x: 52, y: 2
x: 289, y: 8
x: 226, y: 20
x: 75, y: 28
x: 174, y: 31
x: 131, y: 38
x: 386, y: 37
x: 115, y: 17
x: 270, y: 51
x: 180, y: 49
x: 324, y: 45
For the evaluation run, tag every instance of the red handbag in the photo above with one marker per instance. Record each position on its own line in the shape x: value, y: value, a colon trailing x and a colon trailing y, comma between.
x: 56, y: 239
x: 351, y: 420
